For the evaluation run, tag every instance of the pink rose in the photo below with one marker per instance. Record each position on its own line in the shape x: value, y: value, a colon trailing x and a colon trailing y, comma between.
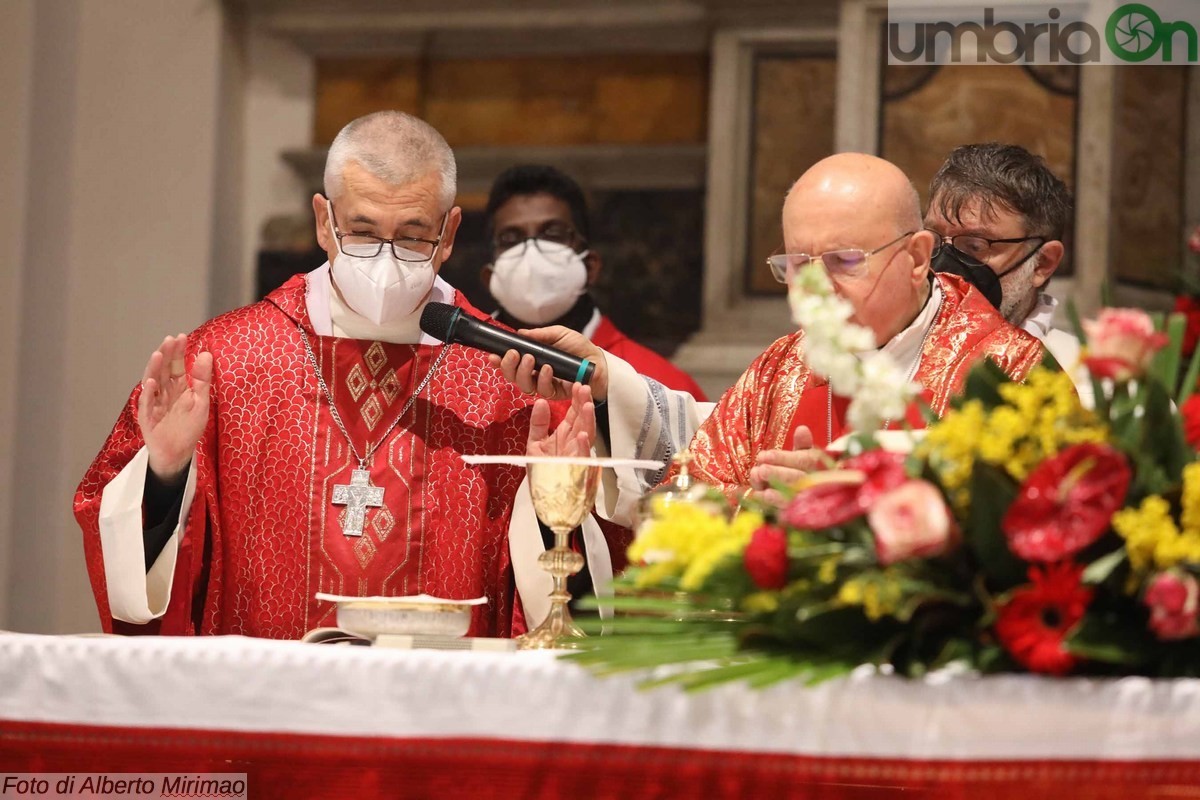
x: 1194, y: 240
x: 911, y: 521
x: 1121, y: 343
x: 1172, y: 600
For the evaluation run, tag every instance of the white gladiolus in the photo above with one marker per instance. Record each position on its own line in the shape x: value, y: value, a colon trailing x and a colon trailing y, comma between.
x: 879, y: 390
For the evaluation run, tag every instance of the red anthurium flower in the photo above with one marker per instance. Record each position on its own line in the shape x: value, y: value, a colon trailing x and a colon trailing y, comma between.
x: 1066, y: 503
x: 824, y: 504
x: 884, y: 471
x: 838, y: 496
x: 1190, y: 413
x: 1037, y: 618
x: 766, y: 557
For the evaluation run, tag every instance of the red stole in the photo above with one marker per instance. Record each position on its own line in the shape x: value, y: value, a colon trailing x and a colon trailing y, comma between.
x: 815, y: 410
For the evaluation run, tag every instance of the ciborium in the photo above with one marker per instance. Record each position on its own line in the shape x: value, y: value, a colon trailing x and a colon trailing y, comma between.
x: 563, y: 489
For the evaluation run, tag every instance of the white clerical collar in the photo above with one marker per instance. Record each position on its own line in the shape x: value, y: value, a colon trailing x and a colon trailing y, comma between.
x: 905, y: 346
x: 330, y: 316
x: 1041, y: 319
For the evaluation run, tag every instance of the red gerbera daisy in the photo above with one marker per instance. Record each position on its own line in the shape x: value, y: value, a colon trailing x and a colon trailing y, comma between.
x: 1066, y: 503
x: 1037, y: 617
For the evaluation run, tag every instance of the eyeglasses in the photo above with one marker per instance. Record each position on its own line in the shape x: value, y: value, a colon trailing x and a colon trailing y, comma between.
x: 554, y: 232
x: 404, y: 248
x: 848, y: 263
x: 978, y: 250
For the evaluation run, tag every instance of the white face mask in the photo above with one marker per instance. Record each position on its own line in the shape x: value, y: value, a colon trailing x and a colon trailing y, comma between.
x: 538, y: 282
x: 383, y: 289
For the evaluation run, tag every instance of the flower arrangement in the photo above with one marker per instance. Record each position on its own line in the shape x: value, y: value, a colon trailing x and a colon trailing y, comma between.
x: 1187, y: 302
x: 1025, y: 532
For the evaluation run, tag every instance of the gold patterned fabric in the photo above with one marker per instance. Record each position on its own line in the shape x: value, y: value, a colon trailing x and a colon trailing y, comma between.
x: 779, y: 392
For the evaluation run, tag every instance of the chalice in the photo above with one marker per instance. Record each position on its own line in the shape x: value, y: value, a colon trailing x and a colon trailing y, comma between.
x: 563, y: 490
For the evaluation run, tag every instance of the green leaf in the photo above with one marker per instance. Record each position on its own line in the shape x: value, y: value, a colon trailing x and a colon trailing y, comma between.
x: 1049, y: 362
x: 1188, y: 387
x: 992, y: 492
x: 1099, y: 570
x: 984, y: 382
x: 843, y: 633
x: 684, y: 604
x: 1165, y: 366
x: 920, y: 593
x: 1162, y: 432
x: 1109, y: 638
x: 954, y: 651
x: 613, y: 654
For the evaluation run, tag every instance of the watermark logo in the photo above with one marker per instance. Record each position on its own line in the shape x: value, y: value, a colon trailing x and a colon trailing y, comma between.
x: 1070, y: 32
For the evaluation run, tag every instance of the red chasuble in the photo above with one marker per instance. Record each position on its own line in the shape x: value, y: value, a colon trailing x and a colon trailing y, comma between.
x: 263, y: 535
x: 778, y: 393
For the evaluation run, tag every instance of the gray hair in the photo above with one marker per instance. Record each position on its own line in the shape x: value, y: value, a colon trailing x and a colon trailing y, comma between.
x: 1004, y: 177
x: 395, y: 147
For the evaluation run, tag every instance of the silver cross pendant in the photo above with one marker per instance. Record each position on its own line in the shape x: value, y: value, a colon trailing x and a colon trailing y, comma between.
x: 356, y: 496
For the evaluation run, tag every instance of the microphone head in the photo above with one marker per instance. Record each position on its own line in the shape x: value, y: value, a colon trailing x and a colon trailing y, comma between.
x: 437, y: 319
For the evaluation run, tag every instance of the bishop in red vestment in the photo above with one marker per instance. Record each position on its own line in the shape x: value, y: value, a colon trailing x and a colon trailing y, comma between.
x: 778, y: 393
x: 313, y: 440
x: 860, y: 217
x: 264, y: 535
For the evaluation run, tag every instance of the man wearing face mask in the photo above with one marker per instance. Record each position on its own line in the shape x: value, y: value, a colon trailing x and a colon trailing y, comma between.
x: 1000, y: 215
x: 542, y: 267
x: 860, y: 217
x: 312, y: 442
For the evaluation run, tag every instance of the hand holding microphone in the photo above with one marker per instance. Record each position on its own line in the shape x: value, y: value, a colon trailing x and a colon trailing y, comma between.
x: 545, y: 361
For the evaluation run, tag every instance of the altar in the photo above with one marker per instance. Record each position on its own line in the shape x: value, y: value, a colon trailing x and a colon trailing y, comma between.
x: 303, y: 720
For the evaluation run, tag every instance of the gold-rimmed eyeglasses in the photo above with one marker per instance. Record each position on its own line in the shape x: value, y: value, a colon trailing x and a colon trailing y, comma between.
x: 850, y: 262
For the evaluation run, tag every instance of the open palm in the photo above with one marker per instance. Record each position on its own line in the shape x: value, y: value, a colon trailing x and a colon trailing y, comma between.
x: 173, y: 407
x: 573, y: 436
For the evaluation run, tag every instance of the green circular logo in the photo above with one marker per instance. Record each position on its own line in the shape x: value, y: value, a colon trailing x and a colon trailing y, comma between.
x: 1132, y: 32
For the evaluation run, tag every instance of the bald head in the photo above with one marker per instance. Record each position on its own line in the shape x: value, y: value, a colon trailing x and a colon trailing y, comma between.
x: 853, y: 201
x: 860, y: 184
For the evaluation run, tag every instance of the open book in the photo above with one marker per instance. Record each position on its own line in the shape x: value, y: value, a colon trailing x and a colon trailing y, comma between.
x: 413, y: 622
x: 409, y: 641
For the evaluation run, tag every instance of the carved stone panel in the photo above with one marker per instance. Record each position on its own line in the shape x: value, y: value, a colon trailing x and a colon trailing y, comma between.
x: 792, y: 129
x: 925, y: 112
x: 1148, y: 164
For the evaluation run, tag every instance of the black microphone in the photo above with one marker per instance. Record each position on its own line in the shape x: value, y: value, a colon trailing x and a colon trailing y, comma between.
x: 452, y: 326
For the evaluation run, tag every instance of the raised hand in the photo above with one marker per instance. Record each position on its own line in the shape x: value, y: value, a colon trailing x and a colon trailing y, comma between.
x: 785, y: 466
x: 519, y: 369
x: 573, y: 436
x: 173, y: 407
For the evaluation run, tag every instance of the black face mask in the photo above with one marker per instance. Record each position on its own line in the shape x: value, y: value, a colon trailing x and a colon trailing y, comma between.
x: 953, y: 261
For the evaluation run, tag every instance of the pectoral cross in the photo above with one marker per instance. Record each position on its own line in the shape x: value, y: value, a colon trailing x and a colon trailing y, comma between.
x: 356, y: 496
